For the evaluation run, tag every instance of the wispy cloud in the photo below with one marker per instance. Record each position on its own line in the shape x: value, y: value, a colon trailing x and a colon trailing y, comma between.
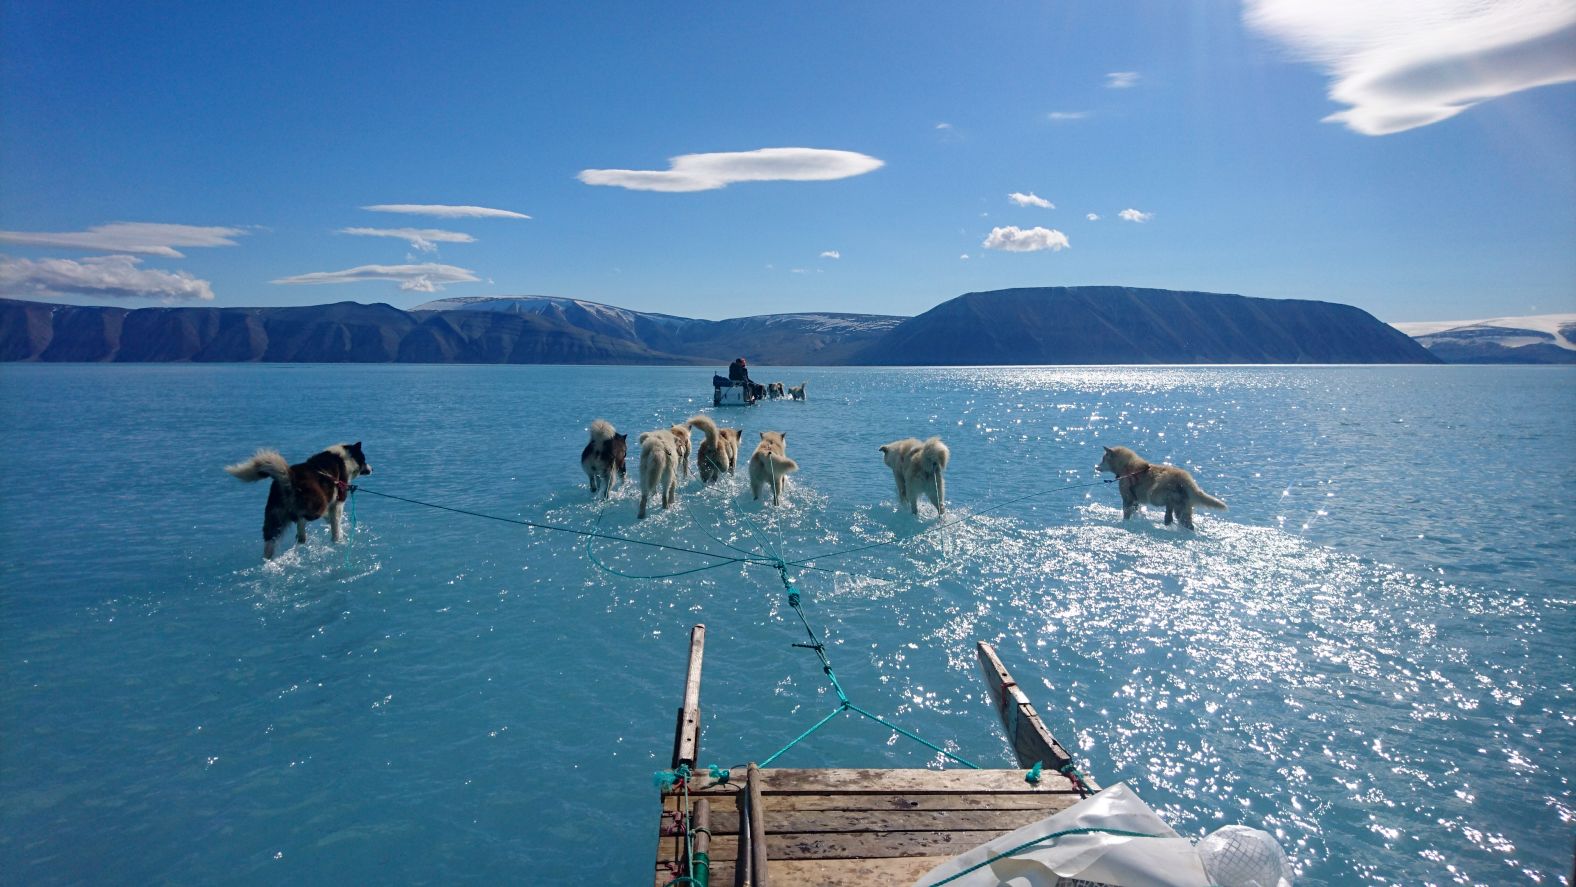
x: 1026, y: 240
x: 145, y: 238
x: 1402, y: 64
x: 943, y: 126
x: 424, y: 239
x: 1093, y: 217
x: 1121, y: 79
x: 427, y: 277
x: 1067, y: 116
x: 1133, y: 215
x: 705, y: 172
x: 964, y: 257
x: 831, y: 254
x: 445, y: 211
x: 106, y: 277
x: 1030, y: 199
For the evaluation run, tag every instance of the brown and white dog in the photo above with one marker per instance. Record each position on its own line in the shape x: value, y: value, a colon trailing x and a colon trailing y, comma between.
x: 603, y: 458
x: 919, y: 467
x: 797, y: 391
x: 774, y: 390
x: 681, y: 443
x: 1141, y: 483
x: 304, y: 492
x: 719, y: 451
x: 770, y: 465
x: 659, y: 468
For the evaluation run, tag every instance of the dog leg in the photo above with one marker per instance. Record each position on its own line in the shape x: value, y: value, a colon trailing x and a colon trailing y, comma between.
x: 300, y: 531
x: 930, y: 493
x: 1185, y: 514
x: 1168, y: 515
x: 643, y: 497
x: 268, y: 548
x: 336, y: 529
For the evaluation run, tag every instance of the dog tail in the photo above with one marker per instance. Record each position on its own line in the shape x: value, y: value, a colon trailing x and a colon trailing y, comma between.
x: 1200, y: 497
x: 933, y: 455
x: 707, y: 427
x: 781, y: 464
x: 601, y: 430
x: 267, y: 463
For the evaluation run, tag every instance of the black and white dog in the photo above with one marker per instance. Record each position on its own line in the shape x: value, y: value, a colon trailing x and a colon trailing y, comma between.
x: 304, y: 492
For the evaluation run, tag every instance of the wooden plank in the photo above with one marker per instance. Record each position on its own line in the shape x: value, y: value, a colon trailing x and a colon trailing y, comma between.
x: 856, y: 845
x: 833, y: 872
x: 875, y: 781
x: 1048, y: 802
x: 1030, y: 739
x: 809, y: 821
x: 758, y: 840
x: 686, y: 741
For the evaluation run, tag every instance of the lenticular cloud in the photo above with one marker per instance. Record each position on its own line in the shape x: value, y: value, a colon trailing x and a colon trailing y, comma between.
x: 1026, y: 240
x: 706, y: 172
x: 105, y: 277
x: 426, y: 277
x: 1402, y: 64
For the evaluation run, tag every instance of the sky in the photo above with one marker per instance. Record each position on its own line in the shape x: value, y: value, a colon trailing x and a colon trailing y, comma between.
x: 1416, y: 158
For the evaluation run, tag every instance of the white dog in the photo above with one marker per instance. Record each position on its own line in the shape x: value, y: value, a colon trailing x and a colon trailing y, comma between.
x: 770, y: 464
x: 919, y: 467
x: 659, y: 467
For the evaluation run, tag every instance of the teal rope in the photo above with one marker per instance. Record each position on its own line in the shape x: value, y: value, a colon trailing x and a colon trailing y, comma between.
x: 802, y: 736
x: 942, y: 525
x: 556, y: 528
x: 602, y: 565
x: 1121, y: 833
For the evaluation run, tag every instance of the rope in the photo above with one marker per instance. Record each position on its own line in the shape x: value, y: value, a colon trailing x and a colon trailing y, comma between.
x: 1121, y: 833
x: 942, y: 525
x: 561, y: 529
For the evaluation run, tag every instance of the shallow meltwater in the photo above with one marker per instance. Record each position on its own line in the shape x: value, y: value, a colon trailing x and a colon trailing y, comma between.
x: 1366, y: 655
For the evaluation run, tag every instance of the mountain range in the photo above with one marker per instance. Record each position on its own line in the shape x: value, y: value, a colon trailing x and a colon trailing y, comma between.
x: 1541, y: 338
x: 1046, y: 325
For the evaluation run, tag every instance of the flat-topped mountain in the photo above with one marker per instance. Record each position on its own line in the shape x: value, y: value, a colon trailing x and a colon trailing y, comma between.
x: 1117, y: 325
x: 1052, y: 325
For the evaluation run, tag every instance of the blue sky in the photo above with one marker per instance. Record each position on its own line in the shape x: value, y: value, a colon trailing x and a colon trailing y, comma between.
x: 281, y: 122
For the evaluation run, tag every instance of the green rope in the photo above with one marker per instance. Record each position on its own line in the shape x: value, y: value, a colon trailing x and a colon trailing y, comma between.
x: 1121, y: 833
x: 942, y: 525
x: 561, y: 529
x: 602, y: 565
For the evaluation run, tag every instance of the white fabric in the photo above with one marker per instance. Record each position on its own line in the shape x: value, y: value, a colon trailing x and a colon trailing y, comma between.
x: 1166, y: 861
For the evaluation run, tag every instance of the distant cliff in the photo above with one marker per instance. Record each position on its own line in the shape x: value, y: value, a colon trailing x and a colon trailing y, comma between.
x: 1056, y: 325
x: 1117, y: 325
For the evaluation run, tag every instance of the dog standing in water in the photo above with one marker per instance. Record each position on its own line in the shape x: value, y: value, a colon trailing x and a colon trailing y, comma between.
x: 659, y: 468
x: 681, y: 445
x: 719, y: 451
x: 770, y: 464
x: 919, y: 467
x: 603, y: 458
x: 1141, y: 483
x: 304, y: 492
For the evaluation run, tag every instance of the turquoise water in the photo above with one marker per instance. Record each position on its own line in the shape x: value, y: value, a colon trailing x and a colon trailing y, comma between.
x: 1369, y: 654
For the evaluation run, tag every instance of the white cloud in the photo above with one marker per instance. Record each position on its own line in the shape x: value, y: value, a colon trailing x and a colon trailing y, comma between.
x: 427, y: 277
x: 943, y: 126
x: 797, y: 271
x: 965, y: 256
x: 445, y: 211
x: 1066, y: 116
x: 1402, y: 64
x: 106, y: 277
x: 1026, y: 240
x: 424, y: 239
x: 1030, y: 199
x: 146, y: 238
x: 1121, y: 79
x: 705, y: 172
x: 831, y: 254
x: 1133, y: 215
x: 1093, y: 217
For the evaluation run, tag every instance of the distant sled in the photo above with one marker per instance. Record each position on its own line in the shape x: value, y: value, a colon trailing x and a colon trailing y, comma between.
x: 729, y: 393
